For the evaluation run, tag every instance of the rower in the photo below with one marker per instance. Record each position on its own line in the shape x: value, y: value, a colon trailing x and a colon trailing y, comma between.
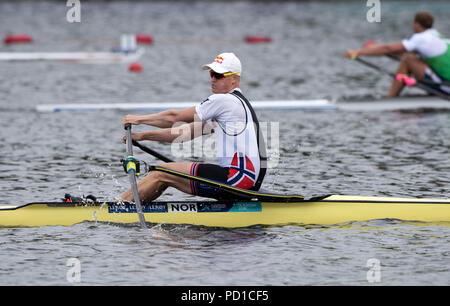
x: 226, y: 113
x: 433, y: 62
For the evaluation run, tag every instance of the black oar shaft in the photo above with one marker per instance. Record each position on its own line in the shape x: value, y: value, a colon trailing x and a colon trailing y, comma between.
x: 152, y: 152
x: 132, y: 175
x: 373, y: 66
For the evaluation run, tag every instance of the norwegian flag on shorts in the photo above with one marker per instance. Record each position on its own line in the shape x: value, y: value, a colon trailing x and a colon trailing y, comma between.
x: 242, y: 172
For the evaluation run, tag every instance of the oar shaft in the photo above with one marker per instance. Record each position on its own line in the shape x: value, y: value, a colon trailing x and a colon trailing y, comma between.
x: 132, y: 176
x: 128, y: 137
x: 152, y: 152
x: 375, y: 67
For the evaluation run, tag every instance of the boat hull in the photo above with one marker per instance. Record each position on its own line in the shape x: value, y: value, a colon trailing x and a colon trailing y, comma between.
x: 75, y: 57
x: 387, y: 104
x: 310, y: 105
x: 328, y: 211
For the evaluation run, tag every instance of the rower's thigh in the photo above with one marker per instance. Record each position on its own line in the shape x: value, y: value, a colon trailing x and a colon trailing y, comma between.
x: 416, y: 66
x: 175, y: 181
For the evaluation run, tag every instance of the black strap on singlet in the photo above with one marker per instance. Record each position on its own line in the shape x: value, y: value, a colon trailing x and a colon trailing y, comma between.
x: 260, y: 141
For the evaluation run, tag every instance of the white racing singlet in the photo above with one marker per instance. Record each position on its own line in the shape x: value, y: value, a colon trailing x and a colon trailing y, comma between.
x: 434, y: 50
x: 237, y: 145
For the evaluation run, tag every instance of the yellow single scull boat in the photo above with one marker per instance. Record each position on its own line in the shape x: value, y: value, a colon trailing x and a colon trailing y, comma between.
x: 329, y: 210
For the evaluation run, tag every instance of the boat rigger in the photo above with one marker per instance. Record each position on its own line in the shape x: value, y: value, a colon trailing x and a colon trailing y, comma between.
x: 329, y: 210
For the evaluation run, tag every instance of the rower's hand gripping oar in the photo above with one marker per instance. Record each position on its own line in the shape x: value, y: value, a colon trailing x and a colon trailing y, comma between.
x: 131, y: 169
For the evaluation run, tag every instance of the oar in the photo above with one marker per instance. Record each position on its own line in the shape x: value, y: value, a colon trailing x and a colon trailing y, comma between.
x: 152, y: 152
x: 130, y: 166
x: 419, y: 84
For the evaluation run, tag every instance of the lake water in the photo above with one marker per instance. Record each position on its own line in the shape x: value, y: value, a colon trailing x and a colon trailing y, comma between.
x: 44, y: 155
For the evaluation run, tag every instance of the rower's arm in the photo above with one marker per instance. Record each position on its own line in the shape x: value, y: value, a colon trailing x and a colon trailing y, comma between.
x: 164, y: 119
x: 383, y: 49
x: 178, y: 133
x: 376, y: 50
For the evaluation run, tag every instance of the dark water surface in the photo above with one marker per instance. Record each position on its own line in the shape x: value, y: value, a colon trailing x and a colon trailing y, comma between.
x: 44, y: 155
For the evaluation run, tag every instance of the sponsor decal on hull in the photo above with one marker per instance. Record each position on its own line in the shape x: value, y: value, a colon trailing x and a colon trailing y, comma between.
x: 187, y: 207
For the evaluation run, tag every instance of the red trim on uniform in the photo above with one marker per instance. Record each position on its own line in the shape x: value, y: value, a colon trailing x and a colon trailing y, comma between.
x: 194, y: 187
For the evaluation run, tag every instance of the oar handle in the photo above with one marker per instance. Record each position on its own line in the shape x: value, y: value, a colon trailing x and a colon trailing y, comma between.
x: 129, y: 139
x: 142, y: 147
x: 131, y: 170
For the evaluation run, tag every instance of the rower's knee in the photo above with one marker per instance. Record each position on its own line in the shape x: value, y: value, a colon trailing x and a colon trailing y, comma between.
x: 408, y: 57
x: 163, y: 178
x: 158, y: 177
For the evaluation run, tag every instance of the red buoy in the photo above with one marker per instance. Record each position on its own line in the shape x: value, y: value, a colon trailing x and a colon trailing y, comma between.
x: 135, y: 67
x: 144, y: 39
x: 257, y: 39
x: 20, y: 38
